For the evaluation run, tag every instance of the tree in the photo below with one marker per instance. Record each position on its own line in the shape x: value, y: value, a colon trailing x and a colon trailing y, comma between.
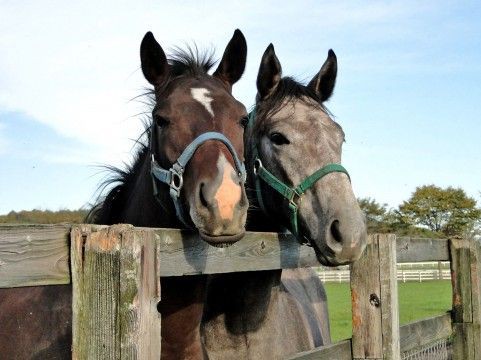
x: 378, y: 218
x: 449, y: 211
x: 372, y: 209
x: 44, y: 216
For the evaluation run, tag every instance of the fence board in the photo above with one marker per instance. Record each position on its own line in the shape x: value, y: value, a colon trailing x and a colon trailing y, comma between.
x: 465, y: 267
x: 95, y: 302
x: 424, y: 332
x: 184, y: 253
x: 34, y: 255
x: 339, y: 351
x: 420, y: 250
x: 375, y: 321
x: 139, y: 296
x: 389, y: 297
x: 366, y: 313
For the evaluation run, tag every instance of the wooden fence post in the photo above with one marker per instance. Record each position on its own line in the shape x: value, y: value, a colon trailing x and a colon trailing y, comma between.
x: 115, y: 293
x: 139, y: 296
x: 466, y: 277
x: 95, y: 257
x: 375, y: 312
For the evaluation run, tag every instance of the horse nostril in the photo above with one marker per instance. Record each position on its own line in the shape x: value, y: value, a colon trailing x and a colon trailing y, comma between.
x: 336, y: 232
x: 203, y: 201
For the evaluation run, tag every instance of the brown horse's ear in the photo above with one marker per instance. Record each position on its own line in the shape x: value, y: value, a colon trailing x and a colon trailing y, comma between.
x: 269, y: 75
x: 324, y: 81
x: 153, y: 60
x: 233, y: 62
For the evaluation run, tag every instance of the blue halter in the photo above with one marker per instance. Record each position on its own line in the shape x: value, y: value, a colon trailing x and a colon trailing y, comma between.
x: 173, y: 177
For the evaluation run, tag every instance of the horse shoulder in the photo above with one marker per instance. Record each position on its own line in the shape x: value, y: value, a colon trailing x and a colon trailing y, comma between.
x: 308, y: 292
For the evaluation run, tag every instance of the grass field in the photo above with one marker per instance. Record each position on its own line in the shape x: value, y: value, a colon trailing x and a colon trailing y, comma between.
x: 416, y: 301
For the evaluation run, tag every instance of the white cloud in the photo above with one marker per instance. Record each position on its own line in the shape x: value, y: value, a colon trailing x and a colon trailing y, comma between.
x: 74, y: 67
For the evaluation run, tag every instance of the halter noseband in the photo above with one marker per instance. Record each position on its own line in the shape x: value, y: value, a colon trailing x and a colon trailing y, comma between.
x: 173, y: 177
x: 291, y: 194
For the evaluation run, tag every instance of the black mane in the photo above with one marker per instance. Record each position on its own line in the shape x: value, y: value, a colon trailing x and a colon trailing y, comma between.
x: 115, y: 189
x: 190, y: 61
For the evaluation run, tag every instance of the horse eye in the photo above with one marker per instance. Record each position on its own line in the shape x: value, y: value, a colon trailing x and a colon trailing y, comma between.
x: 244, y: 121
x: 161, y: 121
x: 278, y: 139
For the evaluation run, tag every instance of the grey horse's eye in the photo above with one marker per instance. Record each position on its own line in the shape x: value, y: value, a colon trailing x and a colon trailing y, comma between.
x: 278, y: 139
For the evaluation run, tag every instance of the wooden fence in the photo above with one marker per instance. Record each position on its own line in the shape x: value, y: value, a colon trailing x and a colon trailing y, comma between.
x: 115, y: 275
x: 418, y: 275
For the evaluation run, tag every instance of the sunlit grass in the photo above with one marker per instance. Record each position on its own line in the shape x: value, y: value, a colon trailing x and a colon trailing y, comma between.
x: 416, y: 301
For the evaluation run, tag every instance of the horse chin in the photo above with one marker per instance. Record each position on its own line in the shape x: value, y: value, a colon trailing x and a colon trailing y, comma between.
x: 221, y: 241
x: 321, y: 254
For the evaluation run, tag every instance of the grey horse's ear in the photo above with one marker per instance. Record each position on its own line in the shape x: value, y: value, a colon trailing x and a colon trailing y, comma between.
x: 270, y: 73
x: 153, y: 60
x: 324, y: 81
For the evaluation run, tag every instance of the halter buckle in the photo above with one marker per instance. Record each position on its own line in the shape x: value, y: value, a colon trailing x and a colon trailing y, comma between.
x: 257, y: 166
x: 176, y: 179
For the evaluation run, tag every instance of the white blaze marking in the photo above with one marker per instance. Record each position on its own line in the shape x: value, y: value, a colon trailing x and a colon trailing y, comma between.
x: 228, y: 194
x: 202, y: 95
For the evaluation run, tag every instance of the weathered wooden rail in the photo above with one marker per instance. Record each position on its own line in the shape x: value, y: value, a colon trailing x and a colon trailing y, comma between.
x: 115, y: 275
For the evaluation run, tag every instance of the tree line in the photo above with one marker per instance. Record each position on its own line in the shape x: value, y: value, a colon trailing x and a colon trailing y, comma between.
x: 431, y: 211
x: 44, y: 217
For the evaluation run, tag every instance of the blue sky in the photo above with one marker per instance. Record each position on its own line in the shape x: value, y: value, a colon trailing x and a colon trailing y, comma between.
x: 408, y: 91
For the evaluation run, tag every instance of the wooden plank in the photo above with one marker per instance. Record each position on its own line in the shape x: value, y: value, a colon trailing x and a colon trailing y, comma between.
x: 424, y: 332
x: 95, y: 273
x: 420, y: 249
x: 476, y: 294
x: 366, y: 310
x: 389, y: 297
x: 466, y: 330
x: 375, y: 315
x: 339, y: 351
x: 184, y: 253
x: 139, y: 296
x: 34, y: 255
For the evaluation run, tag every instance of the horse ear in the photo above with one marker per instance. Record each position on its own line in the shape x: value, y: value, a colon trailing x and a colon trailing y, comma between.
x: 323, y: 83
x: 270, y: 72
x: 153, y: 60
x: 233, y: 62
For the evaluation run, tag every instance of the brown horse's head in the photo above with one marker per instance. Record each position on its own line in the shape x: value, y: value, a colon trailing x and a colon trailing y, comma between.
x: 295, y: 137
x: 189, y: 102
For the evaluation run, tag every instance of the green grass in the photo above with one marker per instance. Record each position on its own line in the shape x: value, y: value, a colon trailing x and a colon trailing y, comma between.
x: 416, y: 301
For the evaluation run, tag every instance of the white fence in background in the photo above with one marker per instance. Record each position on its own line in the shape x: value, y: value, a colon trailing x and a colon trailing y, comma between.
x: 405, y: 272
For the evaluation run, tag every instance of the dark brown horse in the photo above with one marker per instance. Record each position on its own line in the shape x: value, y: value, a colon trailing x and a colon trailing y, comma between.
x: 272, y: 314
x: 206, y: 194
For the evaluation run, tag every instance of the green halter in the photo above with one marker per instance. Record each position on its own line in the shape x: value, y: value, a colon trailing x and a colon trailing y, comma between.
x: 291, y: 194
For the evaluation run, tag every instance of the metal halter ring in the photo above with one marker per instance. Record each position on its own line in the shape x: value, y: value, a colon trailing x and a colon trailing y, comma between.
x: 176, y: 178
x: 257, y: 166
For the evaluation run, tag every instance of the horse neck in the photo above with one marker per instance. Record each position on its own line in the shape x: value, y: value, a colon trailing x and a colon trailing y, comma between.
x: 243, y: 298
x: 141, y: 208
x: 257, y: 219
x: 182, y: 302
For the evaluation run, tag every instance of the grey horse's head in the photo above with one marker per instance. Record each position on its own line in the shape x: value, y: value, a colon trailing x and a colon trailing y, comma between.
x: 295, y: 136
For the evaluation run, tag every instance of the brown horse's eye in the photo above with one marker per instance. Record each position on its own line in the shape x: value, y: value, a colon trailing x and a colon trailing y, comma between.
x: 244, y: 121
x: 278, y: 139
x: 161, y: 121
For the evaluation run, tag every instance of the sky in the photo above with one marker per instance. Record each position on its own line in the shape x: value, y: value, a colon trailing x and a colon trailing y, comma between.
x: 408, y: 91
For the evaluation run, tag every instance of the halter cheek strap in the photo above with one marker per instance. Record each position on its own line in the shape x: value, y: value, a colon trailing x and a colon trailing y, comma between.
x: 293, y: 195
x: 173, y: 177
